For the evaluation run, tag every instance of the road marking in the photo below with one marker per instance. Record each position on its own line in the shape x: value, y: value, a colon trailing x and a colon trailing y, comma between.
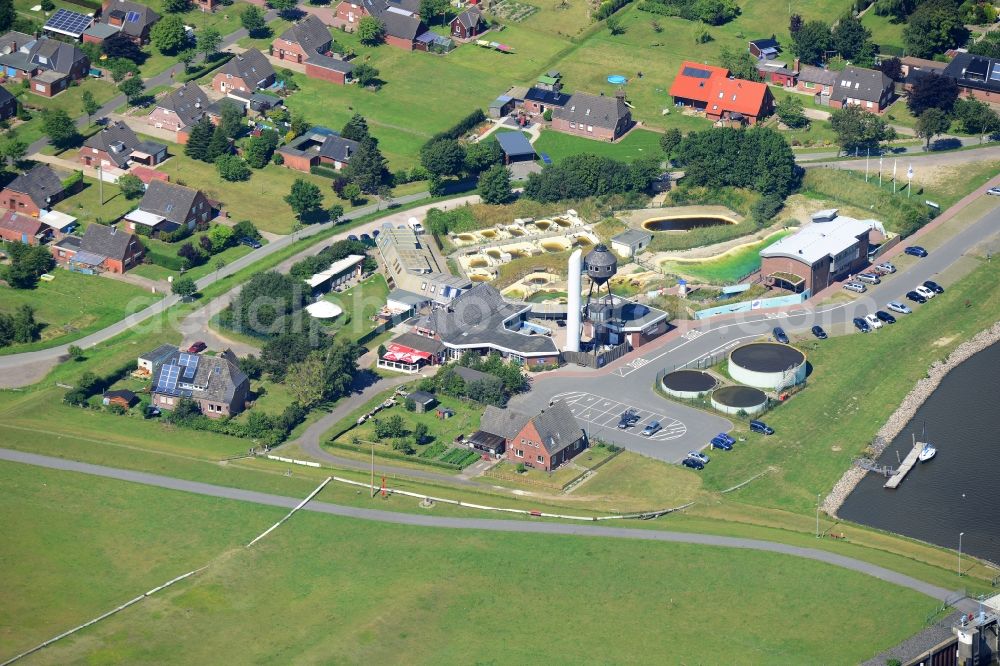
x: 605, y: 412
x: 693, y: 334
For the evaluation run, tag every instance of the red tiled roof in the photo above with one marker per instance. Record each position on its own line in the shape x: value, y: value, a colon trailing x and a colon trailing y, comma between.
x: 21, y: 224
x: 718, y: 90
x: 147, y: 175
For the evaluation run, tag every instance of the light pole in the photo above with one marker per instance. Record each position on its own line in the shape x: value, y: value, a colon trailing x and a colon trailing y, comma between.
x: 960, y: 535
x: 817, y: 515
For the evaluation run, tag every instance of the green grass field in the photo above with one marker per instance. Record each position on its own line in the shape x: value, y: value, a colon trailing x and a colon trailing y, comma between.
x: 360, y: 303
x: 726, y: 269
x: 884, y: 31
x: 315, y: 574
x: 86, y: 204
x: 70, y: 101
x: 73, y: 305
x: 638, y: 143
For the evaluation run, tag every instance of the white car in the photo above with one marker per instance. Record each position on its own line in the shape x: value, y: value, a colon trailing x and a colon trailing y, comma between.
x: 699, y: 456
x: 873, y: 321
x: 886, y: 268
x: 896, y: 306
x: 925, y: 292
x: 994, y: 191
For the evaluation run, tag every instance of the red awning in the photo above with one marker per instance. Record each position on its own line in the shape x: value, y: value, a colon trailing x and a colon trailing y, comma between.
x: 402, y: 350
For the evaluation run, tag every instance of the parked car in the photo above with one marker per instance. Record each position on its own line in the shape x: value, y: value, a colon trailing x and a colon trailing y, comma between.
x: 993, y: 191
x: 901, y: 308
x: 856, y: 287
x: 251, y: 242
x: 720, y: 443
x: 934, y: 286
x: 869, y: 278
x: 726, y: 436
x: 885, y: 316
x: 915, y: 251
x: 761, y: 427
x: 861, y: 325
x: 651, y: 429
x: 916, y: 297
x: 197, y: 347
x: 819, y: 332
x: 693, y: 463
x: 886, y: 267
x: 366, y: 239
x: 699, y: 456
x: 873, y: 321
x: 628, y: 419
x: 352, y: 237
x: 925, y: 292
x: 779, y: 335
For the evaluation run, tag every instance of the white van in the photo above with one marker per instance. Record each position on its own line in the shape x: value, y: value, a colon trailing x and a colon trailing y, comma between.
x: 415, y: 224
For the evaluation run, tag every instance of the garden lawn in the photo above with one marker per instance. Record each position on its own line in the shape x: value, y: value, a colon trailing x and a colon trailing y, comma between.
x: 334, y: 605
x: 73, y: 305
x: 726, y: 269
x: 157, y: 272
x: 86, y: 205
x: 70, y: 101
x: 360, y: 303
x: 277, y: 27
x: 638, y: 143
x: 884, y: 31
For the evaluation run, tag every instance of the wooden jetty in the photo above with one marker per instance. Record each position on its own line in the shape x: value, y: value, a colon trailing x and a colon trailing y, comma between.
x: 904, y: 468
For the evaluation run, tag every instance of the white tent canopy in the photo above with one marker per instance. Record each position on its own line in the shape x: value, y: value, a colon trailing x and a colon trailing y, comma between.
x: 323, y: 310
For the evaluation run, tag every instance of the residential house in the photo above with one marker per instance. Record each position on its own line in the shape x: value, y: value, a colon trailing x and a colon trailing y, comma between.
x: 818, y: 81
x: 123, y: 398
x: 915, y: 69
x: 167, y: 206
x: 539, y: 100
x: 17, y: 228
x: 49, y: 64
x: 764, y: 49
x: 412, y: 263
x: 215, y: 383
x: 101, y: 249
x: 710, y: 89
x: 180, y: 110
x: 544, y: 441
x: 870, y: 89
x: 66, y: 23
x: 132, y: 19
x: 593, y: 116
x: 150, y: 361
x: 13, y: 41
x: 401, y: 19
x: 469, y: 24
x: 402, y: 30
x: 497, y: 427
x: 245, y: 72
x: 33, y: 192
x: 117, y: 145
x: 318, y: 146
x: 8, y: 104
x: 975, y: 75
x: 303, y: 39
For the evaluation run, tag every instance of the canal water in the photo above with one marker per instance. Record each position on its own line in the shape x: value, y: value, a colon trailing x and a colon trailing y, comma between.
x: 958, y: 490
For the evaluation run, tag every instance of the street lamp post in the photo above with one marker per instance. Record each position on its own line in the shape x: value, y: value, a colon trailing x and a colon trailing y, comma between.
x: 960, y: 535
x: 817, y: 515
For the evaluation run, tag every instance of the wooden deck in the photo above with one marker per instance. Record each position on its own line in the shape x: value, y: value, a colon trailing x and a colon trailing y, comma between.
x: 905, y: 466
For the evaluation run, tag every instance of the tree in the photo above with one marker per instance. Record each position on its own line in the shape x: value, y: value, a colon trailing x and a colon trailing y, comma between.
x: 931, y: 123
x: 975, y: 116
x: 934, y: 28
x: 366, y: 76
x: 715, y: 12
x: 121, y: 68
x: 184, y: 287
x: 856, y: 128
x: 252, y: 19
x: 25, y: 327
x: 221, y: 237
x: 669, y: 141
x: 371, y: 32
x: 306, y: 381
x: 898, y: 10
x: 75, y: 353
x: 259, y: 149
x: 615, y: 26
x: 419, y: 433
x: 850, y: 36
x: 356, y: 129
x: 336, y: 212
x: 7, y: 15
x: 60, y: 128
x: 186, y: 57
x: 232, y: 168
x: 394, y: 426
x: 192, y: 256
x: 367, y: 167
x: 811, y: 42
x: 304, y: 198
x: 482, y: 155
x: 218, y: 145
x: 791, y: 113
x: 132, y: 88
x: 351, y: 192
x: 131, y: 187
x: 230, y: 118
x: 494, y: 185
x: 298, y: 124
x: 893, y: 68
x: 27, y: 264
x: 246, y: 229
x: 758, y: 158
x: 284, y: 7
x: 176, y: 6
x: 199, y: 139
x: 444, y: 157
x: 168, y: 35
x: 209, y: 40
x: 90, y: 105
x: 431, y: 8
x: 794, y: 24
x: 12, y: 149
x: 740, y: 63
x: 932, y: 92
x: 120, y: 46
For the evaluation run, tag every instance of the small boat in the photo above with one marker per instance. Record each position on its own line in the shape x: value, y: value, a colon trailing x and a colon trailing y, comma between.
x: 927, y: 452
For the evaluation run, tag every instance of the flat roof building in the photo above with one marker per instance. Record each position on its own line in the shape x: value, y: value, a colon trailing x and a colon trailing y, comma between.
x: 412, y: 265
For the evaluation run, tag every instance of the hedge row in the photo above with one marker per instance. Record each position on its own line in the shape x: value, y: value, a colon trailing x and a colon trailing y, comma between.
x: 463, y: 126
x: 398, y: 456
x: 169, y: 261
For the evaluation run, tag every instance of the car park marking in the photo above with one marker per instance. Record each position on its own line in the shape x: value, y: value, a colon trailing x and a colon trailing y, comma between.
x: 605, y: 413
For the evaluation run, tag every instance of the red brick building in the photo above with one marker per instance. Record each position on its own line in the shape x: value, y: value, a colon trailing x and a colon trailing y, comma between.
x: 593, y: 116
x: 118, y: 146
x: 469, y: 24
x: 976, y: 75
x: 401, y: 19
x: 101, y: 249
x: 870, y: 89
x: 33, y: 192
x: 318, y: 146
x: 17, y: 228
x: 544, y: 441
x: 816, y: 80
x: 50, y: 65
x: 302, y: 40
x: 245, y: 72
x: 710, y: 89
x: 132, y: 19
x: 215, y: 383
x: 329, y: 69
x: 179, y: 110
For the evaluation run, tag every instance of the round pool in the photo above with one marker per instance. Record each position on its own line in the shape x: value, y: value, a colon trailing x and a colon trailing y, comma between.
x: 685, y: 222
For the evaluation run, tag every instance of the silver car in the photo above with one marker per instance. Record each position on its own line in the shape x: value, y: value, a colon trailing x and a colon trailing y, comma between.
x: 896, y: 306
x: 856, y: 287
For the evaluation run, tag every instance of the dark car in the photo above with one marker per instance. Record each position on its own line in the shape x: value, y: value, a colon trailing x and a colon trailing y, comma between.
x: 197, y: 347
x: 819, y: 332
x: 251, y: 242
x: 915, y: 251
x: 934, y: 286
x: 352, y: 237
x: 915, y: 297
x: 366, y: 239
x: 721, y: 443
x: 885, y: 316
x: 861, y: 325
x: 761, y: 427
x: 693, y: 463
x: 628, y: 419
x: 779, y: 335
x: 726, y: 436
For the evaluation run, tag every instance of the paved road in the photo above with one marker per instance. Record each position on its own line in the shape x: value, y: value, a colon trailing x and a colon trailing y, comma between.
x: 493, y: 525
x: 941, y: 145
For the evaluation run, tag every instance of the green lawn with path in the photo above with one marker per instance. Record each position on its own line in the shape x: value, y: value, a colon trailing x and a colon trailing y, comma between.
x: 70, y: 101
x: 87, y: 207
x: 317, y: 569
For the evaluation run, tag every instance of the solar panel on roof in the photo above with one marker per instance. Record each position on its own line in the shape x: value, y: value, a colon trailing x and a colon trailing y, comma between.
x: 168, y: 377
x: 132, y: 17
x: 697, y: 73
x: 190, y: 364
x: 995, y: 74
x: 68, y: 22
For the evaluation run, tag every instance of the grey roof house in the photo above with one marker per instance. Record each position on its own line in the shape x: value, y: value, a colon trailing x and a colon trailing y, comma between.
x: 167, y: 206
x: 180, y: 109
x: 245, y: 72
x: 132, y: 18
x: 116, y: 144
x: 216, y: 383
x: 976, y: 75
x: 868, y: 88
x: 598, y: 116
x: 318, y: 146
x: 310, y: 34
x: 33, y: 191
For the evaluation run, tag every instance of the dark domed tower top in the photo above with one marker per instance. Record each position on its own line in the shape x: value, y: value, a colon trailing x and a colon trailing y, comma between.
x: 601, y: 264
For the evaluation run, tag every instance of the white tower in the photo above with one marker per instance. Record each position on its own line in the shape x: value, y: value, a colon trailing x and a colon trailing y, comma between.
x: 573, y: 296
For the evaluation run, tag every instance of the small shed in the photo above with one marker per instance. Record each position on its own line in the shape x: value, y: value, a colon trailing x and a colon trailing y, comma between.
x: 629, y: 243
x: 501, y: 106
x: 423, y: 400
x: 516, y: 147
x: 495, y: 445
x: 123, y: 398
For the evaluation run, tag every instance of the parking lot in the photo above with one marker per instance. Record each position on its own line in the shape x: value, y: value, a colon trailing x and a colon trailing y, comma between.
x: 603, y: 412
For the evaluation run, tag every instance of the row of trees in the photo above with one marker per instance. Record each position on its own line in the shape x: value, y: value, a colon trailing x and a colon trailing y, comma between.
x: 712, y: 12
x: 504, y: 381
x: 814, y: 41
x: 333, y: 252
x: 585, y: 175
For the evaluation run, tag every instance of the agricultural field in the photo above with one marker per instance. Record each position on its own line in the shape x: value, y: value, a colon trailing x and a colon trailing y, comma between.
x: 333, y: 605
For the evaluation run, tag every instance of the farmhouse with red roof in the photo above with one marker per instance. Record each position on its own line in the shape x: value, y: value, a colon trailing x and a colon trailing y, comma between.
x: 712, y: 90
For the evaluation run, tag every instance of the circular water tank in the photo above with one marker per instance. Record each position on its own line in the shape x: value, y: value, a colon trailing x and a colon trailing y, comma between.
x: 767, y: 365
x: 601, y: 264
x: 735, y: 399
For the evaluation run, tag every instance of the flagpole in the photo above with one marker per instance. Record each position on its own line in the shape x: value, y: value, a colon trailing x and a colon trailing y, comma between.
x: 909, y: 180
x: 867, y: 158
x: 894, y: 175
x: 880, y: 172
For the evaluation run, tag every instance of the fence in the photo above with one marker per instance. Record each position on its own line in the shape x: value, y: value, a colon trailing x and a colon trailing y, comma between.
x: 755, y: 304
x: 396, y: 366
x: 592, y: 360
